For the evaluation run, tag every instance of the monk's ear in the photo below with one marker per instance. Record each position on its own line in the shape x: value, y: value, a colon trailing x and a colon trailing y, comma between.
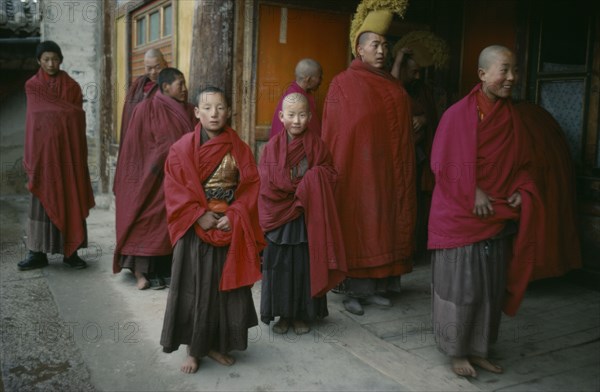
x: 197, y: 112
x: 481, y: 74
x: 281, y: 115
x: 229, y: 112
x: 309, y: 115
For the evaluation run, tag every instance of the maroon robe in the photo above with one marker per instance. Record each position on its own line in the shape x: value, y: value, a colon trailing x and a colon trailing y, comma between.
x: 142, y: 88
x: 55, y: 157
x: 282, y: 200
x: 367, y: 125
x: 555, y: 178
x: 189, y: 164
x: 141, y: 222
x: 493, y: 154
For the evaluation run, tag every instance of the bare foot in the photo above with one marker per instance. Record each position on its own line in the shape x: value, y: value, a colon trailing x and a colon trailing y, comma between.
x: 190, y: 365
x: 142, y: 282
x: 485, y: 364
x: 300, y: 327
x: 462, y: 367
x: 281, y: 326
x: 223, y: 359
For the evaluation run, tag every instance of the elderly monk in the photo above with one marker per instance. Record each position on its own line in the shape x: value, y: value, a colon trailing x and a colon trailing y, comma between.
x: 211, y: 191
x: 144, y: 87
x: 55, y: 161
x: 367, y: 124
x: 309, y: 75
x: 305, y: 255
x: 143, y: 244
x: 486, y: 221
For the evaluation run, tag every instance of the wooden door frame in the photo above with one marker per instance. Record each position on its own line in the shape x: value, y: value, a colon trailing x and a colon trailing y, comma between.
x: 247, y: 21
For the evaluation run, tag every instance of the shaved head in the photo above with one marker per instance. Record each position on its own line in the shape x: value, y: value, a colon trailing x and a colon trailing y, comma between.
x: 295, y: 114
x: 154, y: 54
x: 154, y: 62
x: 490, y: 54
x: 309, y: 74
x: 293, y: 99
x: 306, y: 68
x: 498, y: 72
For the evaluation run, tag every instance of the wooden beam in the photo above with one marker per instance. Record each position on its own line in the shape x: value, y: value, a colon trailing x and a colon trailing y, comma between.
x: 212, y: 45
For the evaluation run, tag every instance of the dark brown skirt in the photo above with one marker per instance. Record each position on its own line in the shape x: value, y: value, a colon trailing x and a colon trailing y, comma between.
x: 467, y: 294
x: 197, y: 313
x: 43, y: 235
x: 286, y: 277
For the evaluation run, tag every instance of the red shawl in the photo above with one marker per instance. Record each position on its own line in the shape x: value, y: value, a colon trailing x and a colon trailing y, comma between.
x: 367, y: 125
x: 555, y: 178
x: 314, y: 125
x: 55, y: 156
x: 141, y: 222
x: 493, y: 154
x: 188, y: 165
x: 135, y: 95
x: 282, y: 200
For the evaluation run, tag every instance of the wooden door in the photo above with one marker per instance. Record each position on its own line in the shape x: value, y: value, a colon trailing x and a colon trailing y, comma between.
x: 287, y: 35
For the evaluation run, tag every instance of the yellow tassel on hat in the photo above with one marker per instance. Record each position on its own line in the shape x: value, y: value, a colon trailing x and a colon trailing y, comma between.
x: 375, y: 16
x: 428, y: 49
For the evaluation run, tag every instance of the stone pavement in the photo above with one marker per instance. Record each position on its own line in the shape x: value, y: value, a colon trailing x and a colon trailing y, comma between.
x: 89, y: 329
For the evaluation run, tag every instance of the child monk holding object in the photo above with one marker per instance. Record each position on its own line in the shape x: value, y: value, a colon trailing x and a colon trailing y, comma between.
x: 211, y: 190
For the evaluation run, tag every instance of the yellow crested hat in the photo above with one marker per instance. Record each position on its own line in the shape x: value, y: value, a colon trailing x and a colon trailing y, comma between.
x: 428, y: 49
x: 375, y: 16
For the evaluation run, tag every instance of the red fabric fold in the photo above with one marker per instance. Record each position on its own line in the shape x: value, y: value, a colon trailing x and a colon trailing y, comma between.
x: 315, y: 123
x: 142, y: 88
x: 55, y: 157
x: 555, y: 177
x: 367, y: 125
x: 282, y: 199
x: 493, y: 154
x: 141, y: 222
x: 188, y: 165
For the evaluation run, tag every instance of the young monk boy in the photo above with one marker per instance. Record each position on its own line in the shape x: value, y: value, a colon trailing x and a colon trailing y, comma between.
x: 55, y: 160
x: 304, y: 257
x: 211, y: 188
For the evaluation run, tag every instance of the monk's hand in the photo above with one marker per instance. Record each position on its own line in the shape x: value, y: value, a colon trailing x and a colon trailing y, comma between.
x: 223, y: 223
x: 419, y: 122
x: 208, y: 220
x: 514, y: 200
x: 400, y: 54
x: 483, y: 204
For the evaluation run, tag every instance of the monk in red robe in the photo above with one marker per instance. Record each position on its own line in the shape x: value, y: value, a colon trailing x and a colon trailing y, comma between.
x: 309, y: 75
x: 425, y: 120
x: 143, y: 244
x: 486, y: 220
x: 211, y: 190
x: 367, y: 125
x: 55, y: 161
x: 305, y: 256
x: 143, y: 87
